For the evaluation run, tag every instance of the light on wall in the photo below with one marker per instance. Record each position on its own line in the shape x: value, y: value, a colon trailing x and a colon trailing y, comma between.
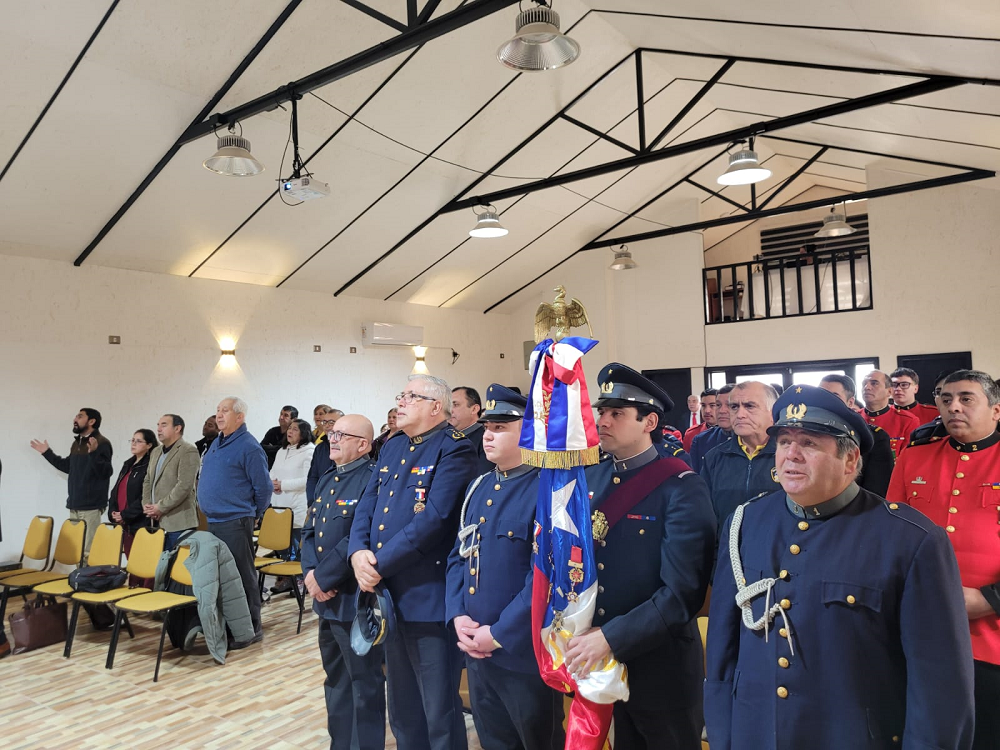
x: 420, y: 365
x: 227, y: 347
x: 233, y: 158
x: 537, y: 43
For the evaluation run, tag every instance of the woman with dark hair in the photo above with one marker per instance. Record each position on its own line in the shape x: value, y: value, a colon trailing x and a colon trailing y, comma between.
x: 125, y: 503
x: 289, y: 474
x: 388, y: 431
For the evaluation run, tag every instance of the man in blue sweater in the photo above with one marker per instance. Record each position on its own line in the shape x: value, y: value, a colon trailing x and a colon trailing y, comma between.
x: 234, y: 490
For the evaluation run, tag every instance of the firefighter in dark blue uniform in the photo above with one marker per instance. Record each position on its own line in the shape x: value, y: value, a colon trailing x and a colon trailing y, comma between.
x: 837, y: 619
x: 654, y: 565
x: 403, y: 532
x: 489, y: 592
x: 355, y: 686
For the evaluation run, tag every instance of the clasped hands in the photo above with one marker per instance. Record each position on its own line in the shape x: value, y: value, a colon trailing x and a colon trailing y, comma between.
x: 474, y: 639
x: 364, y: 561
x: 317, y: 593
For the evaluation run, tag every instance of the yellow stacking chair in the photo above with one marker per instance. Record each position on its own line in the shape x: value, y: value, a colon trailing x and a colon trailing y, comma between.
x: 163, y: 602
x: 106, y: 549
x: 275, y: 534
x: 146, y: 551
x: 36, y: 546
x: 69, y: 552
x: 288, y: 569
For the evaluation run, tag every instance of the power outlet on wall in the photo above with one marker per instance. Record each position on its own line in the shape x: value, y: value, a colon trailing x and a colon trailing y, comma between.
x: 317, y: 348
x: 354, y: 350
x: 501, y: 355
x: 114, y: 339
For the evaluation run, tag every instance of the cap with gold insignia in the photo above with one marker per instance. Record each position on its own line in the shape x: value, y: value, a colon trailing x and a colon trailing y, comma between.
x: 502, y: 405
x: 817, y: 410
x: 623, y: 386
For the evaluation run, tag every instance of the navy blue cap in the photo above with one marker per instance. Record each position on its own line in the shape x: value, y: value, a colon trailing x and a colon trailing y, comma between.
x: 375, y: 621
x: 502, y: 405
x: 817, y: 410
x: 623, y: 386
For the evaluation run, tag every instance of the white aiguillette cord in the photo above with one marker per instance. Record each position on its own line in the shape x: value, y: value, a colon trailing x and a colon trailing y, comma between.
x: 745, y: 594
x: 467, y: 533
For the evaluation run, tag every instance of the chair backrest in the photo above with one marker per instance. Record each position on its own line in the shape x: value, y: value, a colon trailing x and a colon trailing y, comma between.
x: 69, y: 543
x: 202, y: 520
x: 146, y: 550
x: 276, y: 529
x: 179, y: 571
x: 38, y: 540
x: 106, y: 549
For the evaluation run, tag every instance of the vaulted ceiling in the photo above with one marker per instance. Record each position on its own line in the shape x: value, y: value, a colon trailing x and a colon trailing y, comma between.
x: 97, y: 95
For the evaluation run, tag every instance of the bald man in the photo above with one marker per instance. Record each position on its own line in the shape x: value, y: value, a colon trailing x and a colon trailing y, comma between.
x: 355, y: 685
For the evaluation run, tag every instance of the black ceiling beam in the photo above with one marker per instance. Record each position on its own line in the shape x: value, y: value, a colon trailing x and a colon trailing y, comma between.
x: 407, y: 40
x: 823, y: 66
x: 378, y: 16
x: 213, y: 102
x: 909, y: 187
x: 428, y: 11
x: 691, y: 104
x: 59, y: 88
x: 920, y: 88
x: 640, y: 101
x: 599, y: 134
x: 795, y: 175
x: 716, y: 194
x: 866, y: 152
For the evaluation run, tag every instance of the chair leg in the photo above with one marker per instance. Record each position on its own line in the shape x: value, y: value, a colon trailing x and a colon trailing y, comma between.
x: 119, y: 614
x: 3, y: 602
x: 128, y: 627
x: 299, y: 596
x: 260, y: 582
x: 71, y: 632
x: 159, y: 654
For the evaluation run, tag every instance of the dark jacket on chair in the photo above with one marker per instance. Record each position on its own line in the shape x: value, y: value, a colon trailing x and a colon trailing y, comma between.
x: 133, y: 518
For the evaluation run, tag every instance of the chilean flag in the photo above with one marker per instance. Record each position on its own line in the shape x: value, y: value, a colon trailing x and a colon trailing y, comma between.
x: 559, y: 431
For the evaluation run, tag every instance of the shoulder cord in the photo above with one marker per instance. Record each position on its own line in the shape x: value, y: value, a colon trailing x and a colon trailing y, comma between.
x: 468, y: 531
x: 745, y: 594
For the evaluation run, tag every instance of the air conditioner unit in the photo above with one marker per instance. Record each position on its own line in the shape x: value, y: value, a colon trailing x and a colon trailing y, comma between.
x: 391, y: 334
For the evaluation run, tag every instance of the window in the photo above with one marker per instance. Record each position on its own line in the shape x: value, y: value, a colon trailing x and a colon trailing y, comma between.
x: 786, y: 374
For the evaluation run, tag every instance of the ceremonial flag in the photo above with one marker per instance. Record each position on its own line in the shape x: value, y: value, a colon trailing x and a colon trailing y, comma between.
x: 560, y: 436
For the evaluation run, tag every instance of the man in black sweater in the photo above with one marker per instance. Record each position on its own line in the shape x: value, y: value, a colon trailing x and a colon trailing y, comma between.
x: 89, y: 468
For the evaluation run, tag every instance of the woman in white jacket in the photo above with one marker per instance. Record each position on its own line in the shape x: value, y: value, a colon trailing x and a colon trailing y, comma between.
x: 289, y: 474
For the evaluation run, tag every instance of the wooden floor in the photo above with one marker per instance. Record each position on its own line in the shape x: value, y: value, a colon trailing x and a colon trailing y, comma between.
x: 269, y: 695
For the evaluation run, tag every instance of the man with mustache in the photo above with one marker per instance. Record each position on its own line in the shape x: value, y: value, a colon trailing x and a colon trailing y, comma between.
x: 956, y: 483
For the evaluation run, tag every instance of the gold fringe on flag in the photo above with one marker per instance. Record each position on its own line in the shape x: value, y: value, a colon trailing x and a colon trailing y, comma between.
x: 561, y: 459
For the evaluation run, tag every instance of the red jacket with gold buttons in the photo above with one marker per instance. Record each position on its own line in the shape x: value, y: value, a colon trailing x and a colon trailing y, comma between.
x: 923, y: 412
x: 957, y: 486
x: 897, y: 424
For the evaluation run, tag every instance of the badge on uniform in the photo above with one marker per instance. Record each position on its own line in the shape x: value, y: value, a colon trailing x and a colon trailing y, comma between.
x: 342, y: 502
x: 575, y: 572
x: 918, y: 480
x: 600, y: 525
x: 421, y: 470
x: 420, y: 506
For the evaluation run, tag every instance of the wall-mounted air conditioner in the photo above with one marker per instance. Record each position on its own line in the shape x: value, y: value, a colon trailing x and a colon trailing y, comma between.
x: 391, y: 334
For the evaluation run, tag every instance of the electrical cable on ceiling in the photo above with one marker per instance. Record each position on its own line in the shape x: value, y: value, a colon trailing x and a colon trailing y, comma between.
x: 470, y: 169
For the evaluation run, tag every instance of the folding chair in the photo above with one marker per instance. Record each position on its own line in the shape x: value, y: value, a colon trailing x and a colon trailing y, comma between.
x: 36, y: 546
x: 69, y: 552
x: 163, y: 602
x: 276, y: 535
x: 106, y: 549
x: 146, y: 551
x: 293, y: 569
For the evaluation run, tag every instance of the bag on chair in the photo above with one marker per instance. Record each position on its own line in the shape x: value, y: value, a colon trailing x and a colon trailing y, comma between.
x: 96, y: 579
x: 39, y: 624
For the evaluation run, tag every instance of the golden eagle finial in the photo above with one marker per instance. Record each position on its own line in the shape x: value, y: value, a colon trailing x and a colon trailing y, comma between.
x: 560, y: 315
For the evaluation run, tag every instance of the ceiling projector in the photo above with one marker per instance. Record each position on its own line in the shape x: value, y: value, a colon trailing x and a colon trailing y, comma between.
x: 305, y: 188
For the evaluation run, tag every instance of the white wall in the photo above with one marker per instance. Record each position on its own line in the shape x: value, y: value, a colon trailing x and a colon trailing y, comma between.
x: 56, y: 359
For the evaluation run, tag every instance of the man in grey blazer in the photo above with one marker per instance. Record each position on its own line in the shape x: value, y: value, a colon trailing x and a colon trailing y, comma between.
x: 169, y: 491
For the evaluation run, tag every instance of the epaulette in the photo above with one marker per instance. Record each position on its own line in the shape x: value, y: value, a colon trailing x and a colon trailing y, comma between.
x: 875, y: 428
x: 679, y: 451
x: 758, y: 497
x: 919, y: 519
x: 455, y: 434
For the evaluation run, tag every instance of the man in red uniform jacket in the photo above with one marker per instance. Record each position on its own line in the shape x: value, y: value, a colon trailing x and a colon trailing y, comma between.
x: 898, y: 424
x: 709, y: 407
x: 956, y: 483
x: 904, y: 388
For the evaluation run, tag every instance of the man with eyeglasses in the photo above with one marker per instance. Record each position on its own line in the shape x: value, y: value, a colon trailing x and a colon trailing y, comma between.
x: 404, y: 527
x: 898, y: 424
x: 325, y: 417
x: 355, y: 686
x: 904, y: 388
x: 742, y: 469
x: 956, y: 484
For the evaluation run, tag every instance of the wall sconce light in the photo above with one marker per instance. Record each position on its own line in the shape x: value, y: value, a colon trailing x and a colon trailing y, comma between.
x: 227, y: 347
x: 420, y: 365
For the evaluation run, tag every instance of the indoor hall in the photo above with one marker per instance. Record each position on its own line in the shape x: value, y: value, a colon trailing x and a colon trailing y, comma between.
x: 135, y: 280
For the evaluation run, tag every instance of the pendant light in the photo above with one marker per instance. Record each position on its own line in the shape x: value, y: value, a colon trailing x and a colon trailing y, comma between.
x: 835, y: 225
x: 537, y: 43
x: 744, y: 169
x: 487, y: 224
x: 623, y: 260
x: 233, y: 157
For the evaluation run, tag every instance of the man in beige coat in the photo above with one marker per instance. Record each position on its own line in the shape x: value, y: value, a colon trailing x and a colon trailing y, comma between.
x: 169, y: 491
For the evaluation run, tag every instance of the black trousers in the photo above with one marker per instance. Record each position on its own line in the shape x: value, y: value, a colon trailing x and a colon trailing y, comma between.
x: 514, y: 710
x: 424, y: 668
x: 238, y: 536
x: 651, y: 727
x: 355, y: 690
x: 987, y: 700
